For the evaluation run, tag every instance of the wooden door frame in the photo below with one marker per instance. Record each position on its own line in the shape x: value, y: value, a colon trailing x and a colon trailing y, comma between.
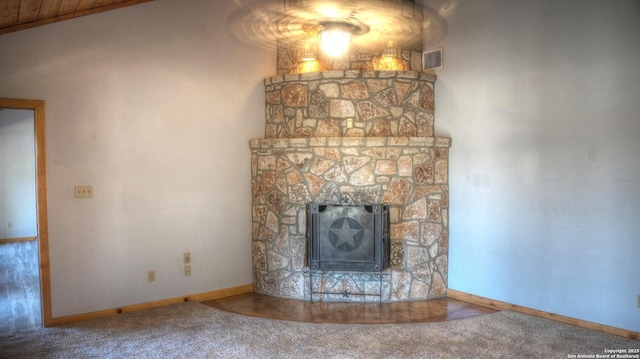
x: 41, y: 198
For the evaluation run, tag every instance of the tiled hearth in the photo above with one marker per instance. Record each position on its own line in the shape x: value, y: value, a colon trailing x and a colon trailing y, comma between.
x: 363, y: 132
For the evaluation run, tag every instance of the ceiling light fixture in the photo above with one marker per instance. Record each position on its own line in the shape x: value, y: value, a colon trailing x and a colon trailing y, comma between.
x: 335, y: 38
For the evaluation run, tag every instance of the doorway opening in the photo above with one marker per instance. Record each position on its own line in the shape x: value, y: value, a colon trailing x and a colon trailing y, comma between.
x: 22, y: 245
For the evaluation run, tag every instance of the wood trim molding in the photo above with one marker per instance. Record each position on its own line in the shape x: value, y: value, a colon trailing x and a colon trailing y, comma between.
x: 16, y: 240
x: 496, y: 304
x: 199, y: 297
x: 38, y: 107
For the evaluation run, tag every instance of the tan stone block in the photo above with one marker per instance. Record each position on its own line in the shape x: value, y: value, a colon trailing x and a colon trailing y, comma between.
x: 386, y: 97
x: 276, y: 261
x: 317, y: 141
x: 266, y: 163
x: 333, y: 154
x: 302, y: 222
x: 299, y: 142
x: 394, y: 214
x: 277, y: 201
x: 407, y: 231
x: 256, y: 187
x: 300, y: 159
x: 299, y: 194
x: 265, y: 234
x: 425, y: 191
x: 352, y: 142
x: 434, y: 214
x: 402, y: 88
x: 422, y: 272
x: 424, y: 122
x: 397, y: 141
x: 415, y: 255
x: 271, y: 130
x: 268, y: 181
x: 294, y: 95
x: 427, y: 99
x: 334, y: 141
x: 336, y: 174
x: 376, y: 152
x: 375, y: 141
x: 407, y: 128
x: 259, y: 255
x: 356, y: 90
x: 259, y: 214
x: 443, y: 245
x: 386, y: 167
x: 291, y: 77
x: 272, y: 222
x: 398, y: 192
x: 443, y: 142
x: 321, y: 165
x: 354, y: 132
x: 333, y: 74
x: 442, y: 175
x: 314, y: 182
x: 328, y: 128
x: 376, y: 86
x: 368, y: 110
x: 281, y: 165
x: 422, y: 157
x: 281, y: 242
x: 351, y: 163
x: 342, y: 108
x: 431, y: 233
x: 416, y: 210
x: 397, y: 254
x: 330, y: 90
x: 273, y: 97
x: 419, y: 290
x: 400, y: 285
x: 363, y: 177
x: 380, y: 128
x: 293, y: 178
x: 424, y: 174
x: 297, y: 245
x: 405, y: 166
x: 438, y: 287
x: 350, y: 151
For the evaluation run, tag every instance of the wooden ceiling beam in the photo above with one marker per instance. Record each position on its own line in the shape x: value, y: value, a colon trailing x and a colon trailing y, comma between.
x: 51, y: 11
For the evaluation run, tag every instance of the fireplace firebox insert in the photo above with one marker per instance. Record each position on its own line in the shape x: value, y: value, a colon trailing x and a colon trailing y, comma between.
x: 348, y: 237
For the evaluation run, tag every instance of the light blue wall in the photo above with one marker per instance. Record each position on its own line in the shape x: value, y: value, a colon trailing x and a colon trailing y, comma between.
x: 542, y: 101
x: 17, y: 175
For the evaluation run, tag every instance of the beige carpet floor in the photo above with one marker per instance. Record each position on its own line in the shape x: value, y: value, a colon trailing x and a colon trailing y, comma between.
x: 193, y: 330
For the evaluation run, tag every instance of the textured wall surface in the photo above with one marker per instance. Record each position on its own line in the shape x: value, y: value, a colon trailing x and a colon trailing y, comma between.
x: 541, y: 98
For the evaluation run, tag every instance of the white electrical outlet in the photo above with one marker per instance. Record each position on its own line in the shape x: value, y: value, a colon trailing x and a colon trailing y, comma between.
x: 187, y: 271
x: 187, y: 257
x: 151, y: 276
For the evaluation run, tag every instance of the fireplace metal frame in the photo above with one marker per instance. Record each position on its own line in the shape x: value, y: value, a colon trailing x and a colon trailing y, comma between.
x: 324, y: 255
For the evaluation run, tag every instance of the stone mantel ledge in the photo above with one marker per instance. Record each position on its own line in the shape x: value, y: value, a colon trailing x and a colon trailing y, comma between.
x: 349, y: 74
x: 275, y: 143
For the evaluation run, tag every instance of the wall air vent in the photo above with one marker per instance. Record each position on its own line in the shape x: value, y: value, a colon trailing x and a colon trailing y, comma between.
x: 432, y: 59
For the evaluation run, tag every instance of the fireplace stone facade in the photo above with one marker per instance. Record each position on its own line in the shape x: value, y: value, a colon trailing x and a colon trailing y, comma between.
x: 364, y: 132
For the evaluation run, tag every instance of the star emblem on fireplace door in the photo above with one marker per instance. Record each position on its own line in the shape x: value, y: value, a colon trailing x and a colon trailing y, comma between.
x: 346, y: 234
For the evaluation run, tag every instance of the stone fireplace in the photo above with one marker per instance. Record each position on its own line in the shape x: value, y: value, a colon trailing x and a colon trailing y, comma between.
x: 359, y: 129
